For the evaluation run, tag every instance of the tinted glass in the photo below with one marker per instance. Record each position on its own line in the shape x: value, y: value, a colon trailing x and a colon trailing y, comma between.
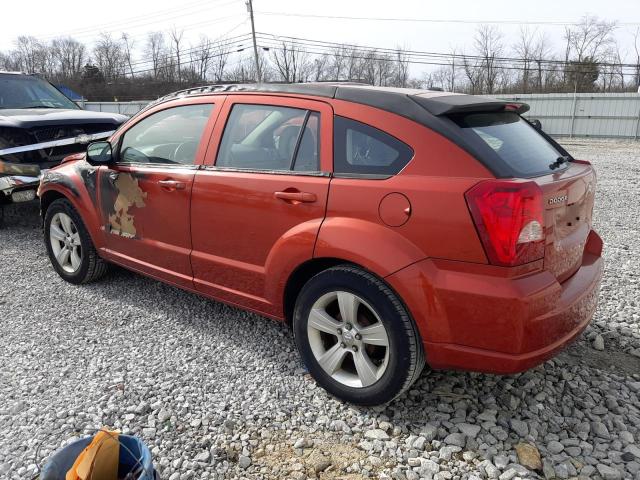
x: 170, y: 136
x: 515, y: 141
x: 308, y: 157
x: 26, y: 91
x: 362, y: 149
x: 263, y: 137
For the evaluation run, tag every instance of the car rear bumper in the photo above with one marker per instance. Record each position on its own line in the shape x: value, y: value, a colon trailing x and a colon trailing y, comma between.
x: 483, y: 318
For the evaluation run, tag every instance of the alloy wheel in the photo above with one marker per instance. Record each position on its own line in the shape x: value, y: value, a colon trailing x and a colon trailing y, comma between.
x: 348, y: 339
x: 65, y: 242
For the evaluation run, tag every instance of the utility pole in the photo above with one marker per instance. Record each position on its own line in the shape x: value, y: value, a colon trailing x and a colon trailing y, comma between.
x: 255, y: 46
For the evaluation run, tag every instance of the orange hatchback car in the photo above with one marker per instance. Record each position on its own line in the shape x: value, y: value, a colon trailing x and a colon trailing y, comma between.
x: 388, y: 227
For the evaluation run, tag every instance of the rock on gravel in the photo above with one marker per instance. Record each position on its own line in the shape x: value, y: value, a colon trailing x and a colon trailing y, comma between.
x: 608, y: 473
x: 529, y: 456
x: 376, y: 434
x: 218, y: 393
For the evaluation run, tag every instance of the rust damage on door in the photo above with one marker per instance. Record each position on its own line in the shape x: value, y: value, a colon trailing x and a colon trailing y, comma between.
x: 120, y: 193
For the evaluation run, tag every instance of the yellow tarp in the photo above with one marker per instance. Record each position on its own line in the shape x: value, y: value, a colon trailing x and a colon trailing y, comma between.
x: 99, y: 461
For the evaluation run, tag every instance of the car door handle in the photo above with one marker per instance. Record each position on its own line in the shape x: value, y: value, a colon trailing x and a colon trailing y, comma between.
x: 172, y: 184
x: 296, y: 197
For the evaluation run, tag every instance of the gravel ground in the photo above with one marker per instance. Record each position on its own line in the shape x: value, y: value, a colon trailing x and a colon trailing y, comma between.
x: 219, y: 393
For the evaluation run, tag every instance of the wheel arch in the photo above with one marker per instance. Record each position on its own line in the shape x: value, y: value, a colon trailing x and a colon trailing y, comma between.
x: 87, y: 214
x: 301, y: 275
x: 304, y: 272
x: 47, y: 198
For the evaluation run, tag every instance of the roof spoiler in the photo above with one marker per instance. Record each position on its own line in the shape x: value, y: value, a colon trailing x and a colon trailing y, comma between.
x: 443, y: 105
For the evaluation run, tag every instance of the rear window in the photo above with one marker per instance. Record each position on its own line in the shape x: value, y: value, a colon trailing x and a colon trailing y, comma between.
x: 512, y: 139
x: 361, y: 149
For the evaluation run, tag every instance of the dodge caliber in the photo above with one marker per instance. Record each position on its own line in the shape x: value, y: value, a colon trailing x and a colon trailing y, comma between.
x: 391, y: 228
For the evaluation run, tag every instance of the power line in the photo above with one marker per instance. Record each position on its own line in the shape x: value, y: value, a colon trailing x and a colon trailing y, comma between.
x: 332, y: 46
x: 192, y: 26
x: 217, y: 43
x: 433, y: 20
x: 362, y: 54
x: 140, y: 22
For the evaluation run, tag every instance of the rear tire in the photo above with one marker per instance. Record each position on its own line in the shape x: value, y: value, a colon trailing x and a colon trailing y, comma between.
x: 356, y: 337
x: 69, y: 245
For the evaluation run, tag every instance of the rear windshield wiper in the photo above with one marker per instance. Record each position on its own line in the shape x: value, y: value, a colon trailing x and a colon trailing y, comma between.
x: 562, y: 159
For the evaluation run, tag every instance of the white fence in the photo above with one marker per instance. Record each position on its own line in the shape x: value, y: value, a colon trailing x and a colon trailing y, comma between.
x: 610, y: 115
x: 125, y: 108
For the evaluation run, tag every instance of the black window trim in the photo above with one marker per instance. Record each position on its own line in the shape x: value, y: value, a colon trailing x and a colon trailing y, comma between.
x: 294, y: 155
x: 302, y: 173
x: 365, y: 176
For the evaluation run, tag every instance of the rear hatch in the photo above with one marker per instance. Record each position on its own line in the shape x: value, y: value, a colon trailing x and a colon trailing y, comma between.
x: 568, y: 199
x: 544, y: 210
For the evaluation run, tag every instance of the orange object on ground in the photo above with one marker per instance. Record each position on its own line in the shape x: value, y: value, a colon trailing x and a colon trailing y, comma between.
x: 99, y: 461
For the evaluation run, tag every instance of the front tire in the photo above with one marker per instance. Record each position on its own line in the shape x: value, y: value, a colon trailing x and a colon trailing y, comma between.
x: 356, y: 337
x: 69, y: 245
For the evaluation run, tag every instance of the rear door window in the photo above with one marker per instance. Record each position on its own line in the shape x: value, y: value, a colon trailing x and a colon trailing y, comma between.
x: 364, y: 150
x: 512, y: 139
x: 271, y: 138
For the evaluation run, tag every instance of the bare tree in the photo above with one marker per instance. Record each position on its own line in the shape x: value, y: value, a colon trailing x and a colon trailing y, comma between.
x: 446, y: 76
x: 489, y: 47
x: 128, y: 44
x: 586, y: 45
x: 542, y: 51
x: 176, y: 40
x: 31, y: 55
x: 291, y: 63
x: 219, y: 59
x: 589, y: 39
x: 354, y: 64
x: 245, y: 70
x: 401, y: 76
x: 337, y: 63
x: 109, y: 57
x: 524, y: 48
x: 7, y: 62
x: 367, y: 65
x: 69, y: 56
x: 156, y: 50
x: 320, y: 68
x: 199, y: 58
x: 611, y: 71
x: 474, y: 71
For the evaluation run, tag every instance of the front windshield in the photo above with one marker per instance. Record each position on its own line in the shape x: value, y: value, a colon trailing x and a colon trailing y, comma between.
x: 26, y: 91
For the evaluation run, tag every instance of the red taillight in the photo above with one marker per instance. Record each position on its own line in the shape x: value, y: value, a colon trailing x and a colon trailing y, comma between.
x: 509, y: 219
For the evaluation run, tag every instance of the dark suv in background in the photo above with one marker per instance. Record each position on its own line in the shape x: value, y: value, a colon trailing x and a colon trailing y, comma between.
x: 39, y: 126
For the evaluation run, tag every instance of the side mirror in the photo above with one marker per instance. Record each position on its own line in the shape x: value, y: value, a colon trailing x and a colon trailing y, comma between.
x: 537, y: 124
x: 99, y: 153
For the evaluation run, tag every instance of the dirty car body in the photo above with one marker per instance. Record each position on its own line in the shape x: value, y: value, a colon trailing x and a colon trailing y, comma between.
x: 389, y: 227
x: 39, y: 126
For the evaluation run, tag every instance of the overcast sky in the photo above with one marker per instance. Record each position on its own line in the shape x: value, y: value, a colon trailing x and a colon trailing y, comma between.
x: 85, y: 19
